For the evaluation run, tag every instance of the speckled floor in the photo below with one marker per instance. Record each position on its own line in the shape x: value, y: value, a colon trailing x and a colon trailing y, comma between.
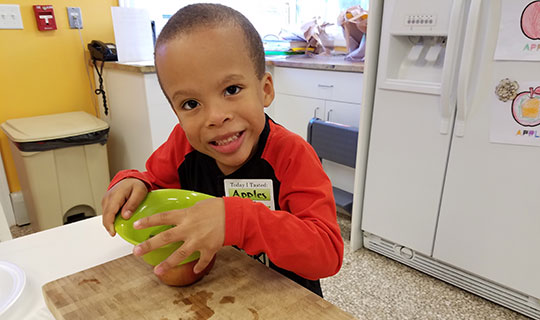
x: 17, y: 231
x: 371, y: 286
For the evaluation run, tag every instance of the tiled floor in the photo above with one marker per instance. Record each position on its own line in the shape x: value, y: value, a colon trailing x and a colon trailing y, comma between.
x: 371, y: 286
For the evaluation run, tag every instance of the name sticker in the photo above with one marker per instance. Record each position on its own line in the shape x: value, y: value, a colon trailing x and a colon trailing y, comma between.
x: 259, y: 190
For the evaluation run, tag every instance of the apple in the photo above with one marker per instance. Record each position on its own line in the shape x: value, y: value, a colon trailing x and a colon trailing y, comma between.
x: 526, y: 107
x: 183, y: 275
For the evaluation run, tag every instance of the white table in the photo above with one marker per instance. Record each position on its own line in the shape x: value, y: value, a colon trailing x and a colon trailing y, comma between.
x: 55, y: 253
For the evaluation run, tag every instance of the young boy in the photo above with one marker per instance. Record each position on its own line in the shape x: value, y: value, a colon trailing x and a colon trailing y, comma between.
x: 210, y: 64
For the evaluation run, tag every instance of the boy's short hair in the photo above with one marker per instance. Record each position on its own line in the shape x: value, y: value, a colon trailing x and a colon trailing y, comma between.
x: 208, y: 15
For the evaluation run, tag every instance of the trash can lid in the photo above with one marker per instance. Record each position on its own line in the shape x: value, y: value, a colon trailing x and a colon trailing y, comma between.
x: 54, y: 126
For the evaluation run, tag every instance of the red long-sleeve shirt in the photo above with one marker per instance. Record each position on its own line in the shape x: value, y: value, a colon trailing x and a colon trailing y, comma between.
x: 301, y: 235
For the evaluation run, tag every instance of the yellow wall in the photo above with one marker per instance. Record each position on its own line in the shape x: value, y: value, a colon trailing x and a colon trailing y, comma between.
x: 43, y: 72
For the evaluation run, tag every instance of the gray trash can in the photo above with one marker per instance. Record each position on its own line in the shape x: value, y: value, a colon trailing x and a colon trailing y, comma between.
x: 61, y: 162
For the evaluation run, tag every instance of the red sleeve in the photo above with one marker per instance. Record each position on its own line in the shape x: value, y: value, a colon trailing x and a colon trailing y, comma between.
x: 162, y: 166
x: 304, y: 236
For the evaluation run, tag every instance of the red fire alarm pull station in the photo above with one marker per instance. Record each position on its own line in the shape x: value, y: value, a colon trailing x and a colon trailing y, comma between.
x: 45, y: 17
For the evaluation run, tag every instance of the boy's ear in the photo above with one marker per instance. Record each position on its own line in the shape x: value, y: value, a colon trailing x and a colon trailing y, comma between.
x: 268, y: 89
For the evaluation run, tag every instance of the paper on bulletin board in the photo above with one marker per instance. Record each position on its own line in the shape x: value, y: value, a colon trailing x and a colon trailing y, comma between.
x: 133, y: 34
x: 519, y: 31
x: 517, y: 120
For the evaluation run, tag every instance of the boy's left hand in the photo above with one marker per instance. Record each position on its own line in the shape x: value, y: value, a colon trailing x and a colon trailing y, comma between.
x: 201, y: 227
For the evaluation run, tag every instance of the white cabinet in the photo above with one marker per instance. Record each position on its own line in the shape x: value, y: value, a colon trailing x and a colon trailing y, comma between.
x: 342, y: 112
x: 302, y: 94
x: 140, y: 117
x: 327, y: 85
x: 294, y: 112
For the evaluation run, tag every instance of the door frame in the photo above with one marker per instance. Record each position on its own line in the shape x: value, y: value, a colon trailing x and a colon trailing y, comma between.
x: 5, y: 199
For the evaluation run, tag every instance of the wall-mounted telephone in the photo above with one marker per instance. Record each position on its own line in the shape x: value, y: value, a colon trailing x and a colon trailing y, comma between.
x: 102, y: 51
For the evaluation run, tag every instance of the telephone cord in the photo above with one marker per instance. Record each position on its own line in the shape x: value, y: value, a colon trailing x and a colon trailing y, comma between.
x: 87, y: 73
x: 100, y: 90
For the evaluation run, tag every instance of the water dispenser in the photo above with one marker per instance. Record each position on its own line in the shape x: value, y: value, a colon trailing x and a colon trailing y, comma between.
x: 414, y: 52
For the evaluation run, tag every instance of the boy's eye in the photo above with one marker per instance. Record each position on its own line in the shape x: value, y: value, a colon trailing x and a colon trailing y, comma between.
x: 232, y: 90
x: 190, y: 104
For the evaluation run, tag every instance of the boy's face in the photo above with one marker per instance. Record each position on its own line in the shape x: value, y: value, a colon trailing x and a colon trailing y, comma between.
x: 210, y: 80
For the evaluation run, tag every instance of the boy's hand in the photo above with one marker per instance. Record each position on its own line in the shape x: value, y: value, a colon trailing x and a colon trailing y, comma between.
x: 126, y: 195
x: 201, y: 227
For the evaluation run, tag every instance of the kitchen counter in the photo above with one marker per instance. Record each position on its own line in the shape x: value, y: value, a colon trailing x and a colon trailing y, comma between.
x: 56, y: 256
x: 316, y: 62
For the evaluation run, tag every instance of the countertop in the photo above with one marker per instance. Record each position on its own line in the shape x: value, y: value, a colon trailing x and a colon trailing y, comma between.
x: 315, y: 62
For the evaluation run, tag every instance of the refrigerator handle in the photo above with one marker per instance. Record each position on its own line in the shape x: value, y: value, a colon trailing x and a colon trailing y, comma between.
x: 465, y: 69
x: 449, y: 71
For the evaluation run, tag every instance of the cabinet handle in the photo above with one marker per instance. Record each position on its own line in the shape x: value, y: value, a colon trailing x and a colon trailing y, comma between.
x: 315, y: 112
x: 328, y: 115
x: 325, y: 85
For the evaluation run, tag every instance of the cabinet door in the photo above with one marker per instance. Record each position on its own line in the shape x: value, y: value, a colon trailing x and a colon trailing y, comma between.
x: 348, y: 114
x: 294, y: 112
x: 341, y: 112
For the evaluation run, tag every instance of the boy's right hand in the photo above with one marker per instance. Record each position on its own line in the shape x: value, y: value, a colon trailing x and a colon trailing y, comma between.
x: 126, y: 195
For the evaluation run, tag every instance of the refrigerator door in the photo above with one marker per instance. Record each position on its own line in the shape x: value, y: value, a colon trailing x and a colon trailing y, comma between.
x: 407, y: 151
x: 489, y: 220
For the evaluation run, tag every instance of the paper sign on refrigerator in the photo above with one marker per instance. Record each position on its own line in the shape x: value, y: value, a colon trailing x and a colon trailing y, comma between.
x: 519, y: 31
x: 515, y: 118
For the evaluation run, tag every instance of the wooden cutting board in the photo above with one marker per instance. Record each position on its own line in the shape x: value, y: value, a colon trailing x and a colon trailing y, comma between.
x: 238, y: 287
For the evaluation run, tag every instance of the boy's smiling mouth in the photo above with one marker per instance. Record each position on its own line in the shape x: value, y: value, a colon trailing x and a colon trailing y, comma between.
x: 227, y: 144
x: 226, y: 141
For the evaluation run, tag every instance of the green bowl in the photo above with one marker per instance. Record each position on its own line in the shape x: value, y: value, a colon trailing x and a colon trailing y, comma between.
x: 155, y: 202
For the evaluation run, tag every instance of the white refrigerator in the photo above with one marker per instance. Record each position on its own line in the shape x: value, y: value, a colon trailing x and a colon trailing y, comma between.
x: 448, y: 167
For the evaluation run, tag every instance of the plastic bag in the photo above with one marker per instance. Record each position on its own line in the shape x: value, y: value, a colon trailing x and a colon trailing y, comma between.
x: 316, y: 37
x: 354, y: 24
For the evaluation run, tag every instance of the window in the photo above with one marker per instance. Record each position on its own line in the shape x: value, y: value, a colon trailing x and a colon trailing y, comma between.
x: 268, y: 16
x: 328, y: 10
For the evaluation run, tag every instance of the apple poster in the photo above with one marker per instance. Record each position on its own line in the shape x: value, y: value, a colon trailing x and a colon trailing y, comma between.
x: 516, y: 113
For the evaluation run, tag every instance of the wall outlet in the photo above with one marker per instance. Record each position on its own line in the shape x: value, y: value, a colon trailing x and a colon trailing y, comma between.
x: 10, y: 16
x: 74, y: 17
